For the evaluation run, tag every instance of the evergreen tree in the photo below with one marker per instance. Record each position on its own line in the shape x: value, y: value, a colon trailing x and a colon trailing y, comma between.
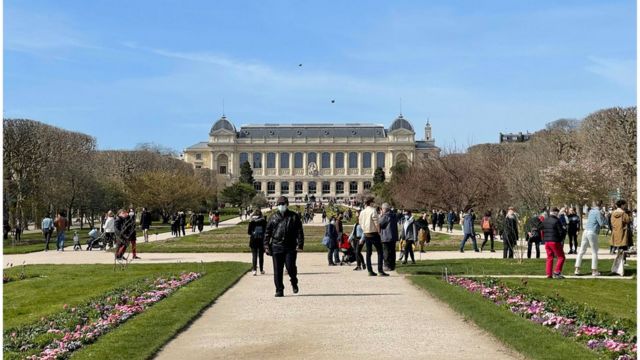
x: 246, y: 173
x: 378, y: 176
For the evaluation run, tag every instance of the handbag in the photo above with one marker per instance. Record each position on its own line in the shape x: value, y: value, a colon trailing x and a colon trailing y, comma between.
x: 326, y: 241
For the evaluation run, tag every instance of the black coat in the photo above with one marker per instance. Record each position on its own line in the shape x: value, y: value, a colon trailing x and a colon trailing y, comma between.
x: 284, y: 233
x: 331, y: 231
x: 552, y: 229
x: 125, y: 228
x: 510, y: 233
x: 145, y: 220
x: 256, y: 242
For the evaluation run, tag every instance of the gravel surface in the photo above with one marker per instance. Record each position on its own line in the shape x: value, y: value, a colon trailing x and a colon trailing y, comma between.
x: 339, y: 313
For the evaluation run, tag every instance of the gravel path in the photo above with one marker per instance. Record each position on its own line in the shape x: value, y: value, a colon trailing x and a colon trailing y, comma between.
x: 339, y: 313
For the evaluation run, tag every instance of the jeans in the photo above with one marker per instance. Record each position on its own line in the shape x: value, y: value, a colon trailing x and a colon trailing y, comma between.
x: 408, y: 251
x: 450, y: 228
x: 589, y: 238
x: 333, y: 255
x: 280, y: 260
x: 554, y: 249
x: 389, y: 254
x: 573, y: 241
x: 507, y: 250
x: 374, y: 241
x: 257, y: 253
x: 530, y: 241
x: 47, y: 238
x: 464, y: 241
x: 487, y: 235
x: 359, y: 258
x: 60, y: 240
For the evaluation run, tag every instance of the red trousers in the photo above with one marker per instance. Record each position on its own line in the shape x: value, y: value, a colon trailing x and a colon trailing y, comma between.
x: 554, y: 249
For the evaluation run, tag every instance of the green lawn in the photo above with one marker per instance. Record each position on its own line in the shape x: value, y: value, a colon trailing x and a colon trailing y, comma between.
x: 48, y: 287
x: 616, y: 298
x: 530, y: 339
x: 498, y: 267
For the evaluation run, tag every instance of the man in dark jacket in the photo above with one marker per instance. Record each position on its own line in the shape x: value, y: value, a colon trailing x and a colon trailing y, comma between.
x: 553, y: 233
x: 388, y: 235
x: 283, y: 239
x: 256, y: 232
x: 434, y: 219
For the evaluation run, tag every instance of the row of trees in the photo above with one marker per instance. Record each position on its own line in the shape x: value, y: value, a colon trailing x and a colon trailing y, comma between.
x: 48, y: 169
x: 568, y: 162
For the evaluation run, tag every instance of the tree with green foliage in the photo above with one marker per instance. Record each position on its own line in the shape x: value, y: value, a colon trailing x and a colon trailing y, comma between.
x: 259, y: 201
x: 238, y: 194
x: 246, y: 174
x: 378, y: 176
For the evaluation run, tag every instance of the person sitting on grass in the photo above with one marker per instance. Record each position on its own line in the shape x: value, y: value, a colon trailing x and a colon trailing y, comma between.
x: 553, y: 233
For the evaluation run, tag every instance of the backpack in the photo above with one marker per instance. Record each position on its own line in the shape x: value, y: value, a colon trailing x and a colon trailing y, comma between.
x: 486, y: 224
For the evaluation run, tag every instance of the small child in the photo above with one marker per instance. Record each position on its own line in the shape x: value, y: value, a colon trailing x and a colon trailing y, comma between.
x: 76, y: 241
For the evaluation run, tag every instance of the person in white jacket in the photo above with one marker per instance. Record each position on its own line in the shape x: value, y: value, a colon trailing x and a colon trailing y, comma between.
x: 109, y: 229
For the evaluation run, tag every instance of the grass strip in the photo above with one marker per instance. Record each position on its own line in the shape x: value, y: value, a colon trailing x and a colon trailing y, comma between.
x: 527, y: 338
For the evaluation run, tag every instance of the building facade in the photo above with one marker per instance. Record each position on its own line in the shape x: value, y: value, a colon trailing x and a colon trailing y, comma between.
x: 515, y: 138
x: 322, y: 160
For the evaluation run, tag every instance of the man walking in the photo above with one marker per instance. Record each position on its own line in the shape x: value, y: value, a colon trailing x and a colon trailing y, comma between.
x: 468, y: 230
x: 595, y: 221
x: 283, y: 239
x: 389, y: 236
x: 61, y: 225
x: 553, y: 233
x: 371, y: 228
x: 47, y: 230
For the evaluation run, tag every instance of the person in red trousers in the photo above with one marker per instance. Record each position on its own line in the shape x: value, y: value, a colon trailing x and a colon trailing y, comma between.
x: 553, y: 233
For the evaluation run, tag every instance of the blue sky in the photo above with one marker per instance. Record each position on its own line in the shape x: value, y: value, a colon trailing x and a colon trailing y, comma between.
x: 157, y: 71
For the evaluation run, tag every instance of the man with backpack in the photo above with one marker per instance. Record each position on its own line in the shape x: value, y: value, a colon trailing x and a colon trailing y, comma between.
x: 487, y: 229
x: 256, y: 231
x: 283, y: 239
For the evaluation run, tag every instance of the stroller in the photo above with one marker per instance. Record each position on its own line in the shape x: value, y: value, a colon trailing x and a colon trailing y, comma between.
x: 96, y: 240
x: 348, y: 253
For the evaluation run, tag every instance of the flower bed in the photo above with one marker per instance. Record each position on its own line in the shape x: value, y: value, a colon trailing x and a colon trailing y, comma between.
x: 610, y: 338
x: 56, y: 336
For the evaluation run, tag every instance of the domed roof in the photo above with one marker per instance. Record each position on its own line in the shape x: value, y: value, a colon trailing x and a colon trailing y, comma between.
x: 401, y: 123
x: 222, y: 123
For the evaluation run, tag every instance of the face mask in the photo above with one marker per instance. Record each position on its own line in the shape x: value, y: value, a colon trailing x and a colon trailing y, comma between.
x: 407, y: 217
x: 333, y: 222
x: 131, y: 213
x: 282, y: 208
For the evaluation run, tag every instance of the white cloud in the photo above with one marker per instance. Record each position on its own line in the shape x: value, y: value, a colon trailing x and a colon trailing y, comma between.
x: 619, y: 71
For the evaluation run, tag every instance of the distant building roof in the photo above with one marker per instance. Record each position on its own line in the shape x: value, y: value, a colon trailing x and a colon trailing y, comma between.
x: 312, y: 130
x: 199, y: 146
x: 515, y: 137
x: 421, y: 144
x: 222, y: 123
x: 401, y: 123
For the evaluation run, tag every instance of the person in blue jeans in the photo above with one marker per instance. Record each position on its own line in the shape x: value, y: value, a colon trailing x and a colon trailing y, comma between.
x: 334, y: 252
x: 468, y: 230
x: 61, y: 225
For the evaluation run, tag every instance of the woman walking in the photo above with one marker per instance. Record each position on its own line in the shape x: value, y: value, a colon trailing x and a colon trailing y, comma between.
x: 409, y: 234
x: 573, y: 227
x: 256, y: 231
x: 510, y: 236
x: 357, y: 242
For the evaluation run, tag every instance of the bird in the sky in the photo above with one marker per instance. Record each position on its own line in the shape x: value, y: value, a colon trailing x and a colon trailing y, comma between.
x: 300, y: 65
x: 333, y: 101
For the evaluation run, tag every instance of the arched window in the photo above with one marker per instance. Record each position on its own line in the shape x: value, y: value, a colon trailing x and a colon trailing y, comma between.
x: 339, y: 187
x: 271, y: 160
x: 366, y: 160
x: 353, y: 160
x: 257, y: 160
x: 223, y: 163
x: 298, y: 187
x: 353, y: 187
x: 284, y: 160
x: 257, y: 186
x: 367, y: 185
x: 326, y: 160
x: 326, y: 187
x: 339, y: 160
x: 271, y: 187
x: 284, y: 187
x: 297, y: 160
x: 244, y: 157
x: 312, y: 187
x: 380, y: 159
x: 312, y: 158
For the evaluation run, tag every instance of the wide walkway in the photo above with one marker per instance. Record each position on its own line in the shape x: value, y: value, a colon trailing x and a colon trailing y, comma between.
x: 339, y: 313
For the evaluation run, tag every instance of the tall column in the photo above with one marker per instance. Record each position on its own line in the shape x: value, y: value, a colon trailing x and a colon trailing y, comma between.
x: 359, y: 162
x: 304, y: 163
x: 305, y: 187
x: 332, y: 156
x: 264, y: 164
x: 278, y: 166
x: 278, y: 190
x: 264, y: 187
x: 332, y: 188
x: 360, y: 186
x: 291, y: 156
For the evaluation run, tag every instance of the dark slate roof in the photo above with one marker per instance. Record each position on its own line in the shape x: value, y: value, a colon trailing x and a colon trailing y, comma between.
x: 312, y: 130
x: 222, y: 123
x: 401, y: 123
x: 421, y: 144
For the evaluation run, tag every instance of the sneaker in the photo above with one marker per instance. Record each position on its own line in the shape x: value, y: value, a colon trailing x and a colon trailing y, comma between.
x: 383, y: 273
x: 295, y: 289
x: 461, y: 250
x: 262, y: 272
x: 577, y: 272
x: 493, y: 250
x: 137, y: 257
x: 476, y: 250
x: 357, y: 268
x: 558, y: 276
x: 279, y: 294
x: 371, y: 273
x: 404, y: 263
x: 254, y: 273
x: 595, y: 273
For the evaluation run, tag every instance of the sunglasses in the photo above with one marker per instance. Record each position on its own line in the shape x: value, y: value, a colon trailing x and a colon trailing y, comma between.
x: 281, y: 203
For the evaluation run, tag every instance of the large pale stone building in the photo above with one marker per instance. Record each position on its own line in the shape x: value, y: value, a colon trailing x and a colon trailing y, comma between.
x: 325, y: 160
